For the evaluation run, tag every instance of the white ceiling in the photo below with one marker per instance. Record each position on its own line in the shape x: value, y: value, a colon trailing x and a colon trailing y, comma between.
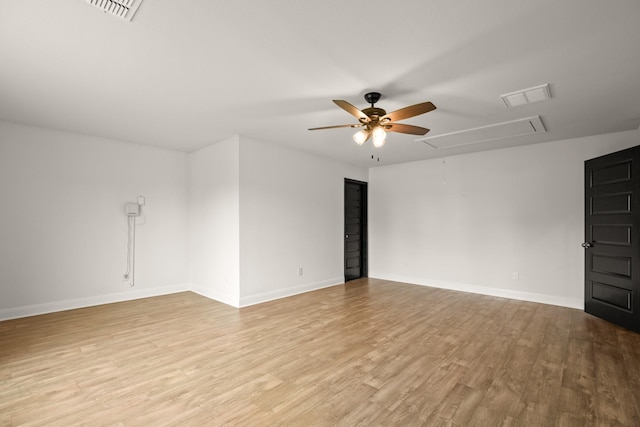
x: 185, y: 74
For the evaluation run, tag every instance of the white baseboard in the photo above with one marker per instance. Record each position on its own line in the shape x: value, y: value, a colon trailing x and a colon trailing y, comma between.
x: 51, y: 307
x: 483, y: 290
x: 232, y: 300
x: 283, y: 293
x: 32, y: 310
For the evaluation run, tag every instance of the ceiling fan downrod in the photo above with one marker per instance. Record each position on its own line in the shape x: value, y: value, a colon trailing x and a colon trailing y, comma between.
x: 372, y: 97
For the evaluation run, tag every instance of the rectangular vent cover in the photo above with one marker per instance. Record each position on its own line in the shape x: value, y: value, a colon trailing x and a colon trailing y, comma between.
x: 514, y: 128
x: 124, y: 9
x: 527, y: 96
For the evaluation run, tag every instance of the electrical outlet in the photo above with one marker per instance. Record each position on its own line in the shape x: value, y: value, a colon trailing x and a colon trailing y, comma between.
x: 515, y: 275
x: 299, y: 271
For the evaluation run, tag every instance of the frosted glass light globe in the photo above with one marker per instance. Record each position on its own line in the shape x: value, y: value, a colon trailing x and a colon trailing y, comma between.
x: 379, y: 136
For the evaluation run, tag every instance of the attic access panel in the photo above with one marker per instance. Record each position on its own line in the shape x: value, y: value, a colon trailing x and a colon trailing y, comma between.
x: 510, y: 129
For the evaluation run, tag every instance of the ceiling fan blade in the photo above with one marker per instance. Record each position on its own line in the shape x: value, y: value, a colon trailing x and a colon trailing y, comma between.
x: 339, y: 126
x: 402, y: 128
x: 411, y: 111
x: 351, y: 110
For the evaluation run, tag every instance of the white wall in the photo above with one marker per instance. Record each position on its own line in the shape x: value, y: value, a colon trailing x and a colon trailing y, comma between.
x: 232, y: 221
x: 504, y: 211
x: 259, y: 211
x: 291, y: 215
x: 215, y: 221
x: 235, y: 220
x: 63, y: 231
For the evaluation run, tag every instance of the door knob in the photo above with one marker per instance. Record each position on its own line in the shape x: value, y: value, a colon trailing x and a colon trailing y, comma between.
x: 587, y: 245
x: 347, y: 236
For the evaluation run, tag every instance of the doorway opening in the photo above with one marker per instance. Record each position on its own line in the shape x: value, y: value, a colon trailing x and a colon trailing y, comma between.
x: 355, y: 230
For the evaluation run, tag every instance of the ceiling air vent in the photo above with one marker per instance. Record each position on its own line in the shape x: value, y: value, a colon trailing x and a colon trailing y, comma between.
x: 514, y: 128
x: 124, y: 9
x: 526, y: 96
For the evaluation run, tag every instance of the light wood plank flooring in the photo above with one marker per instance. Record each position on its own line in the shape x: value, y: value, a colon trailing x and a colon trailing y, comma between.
x: 367, y: 353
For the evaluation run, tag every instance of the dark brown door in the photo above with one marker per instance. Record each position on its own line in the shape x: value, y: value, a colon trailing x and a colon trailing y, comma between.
x: 355, y: 229
x: 612, y: 237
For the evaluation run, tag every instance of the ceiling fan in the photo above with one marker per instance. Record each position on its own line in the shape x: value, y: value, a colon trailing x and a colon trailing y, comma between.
x: 376, y: 122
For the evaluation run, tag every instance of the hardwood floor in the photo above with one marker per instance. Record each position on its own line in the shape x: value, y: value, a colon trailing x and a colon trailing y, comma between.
x: 367, y: 353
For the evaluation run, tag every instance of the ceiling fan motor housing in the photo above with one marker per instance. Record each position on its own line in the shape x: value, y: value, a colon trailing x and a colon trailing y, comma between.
x: 374, y: 113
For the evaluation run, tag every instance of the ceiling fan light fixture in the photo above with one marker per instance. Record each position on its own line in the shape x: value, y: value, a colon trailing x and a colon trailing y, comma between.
x: 379, y: 137
x: 376, y: 122
x: 361, y: 136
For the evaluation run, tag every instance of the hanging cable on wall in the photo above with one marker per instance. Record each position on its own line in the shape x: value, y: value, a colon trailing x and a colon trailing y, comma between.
x: 131, y: 250
x: 132, y: 210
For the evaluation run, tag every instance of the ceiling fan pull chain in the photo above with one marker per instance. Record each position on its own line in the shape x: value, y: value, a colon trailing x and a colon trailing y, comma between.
x: 444, y: 171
